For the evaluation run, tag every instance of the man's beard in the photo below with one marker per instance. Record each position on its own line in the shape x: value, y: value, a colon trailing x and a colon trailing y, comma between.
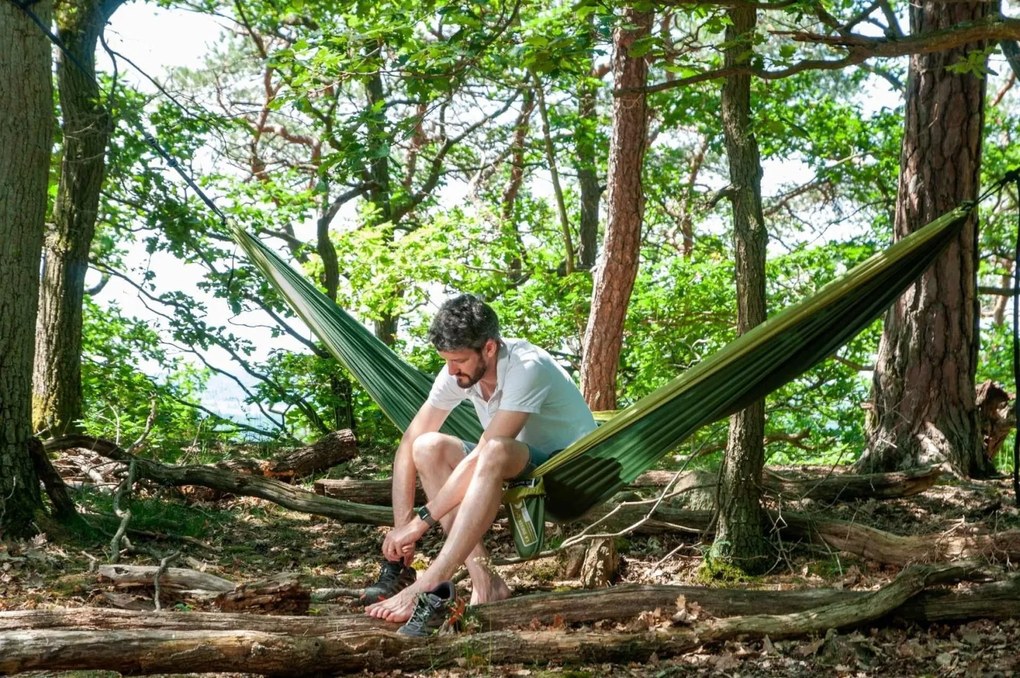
x: 469, y: 380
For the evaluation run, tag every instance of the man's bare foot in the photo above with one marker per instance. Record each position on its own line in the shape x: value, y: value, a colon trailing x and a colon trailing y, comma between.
x: 398, y: 608
x: 496, y: 590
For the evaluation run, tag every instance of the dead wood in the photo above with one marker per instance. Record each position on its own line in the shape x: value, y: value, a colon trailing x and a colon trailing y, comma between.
x: 285, y: 495
x: 375, y: 492
x: 63, y: 505
x: 286, y: 646
x: 868, y: 542
x: 282, y: 594
x: 601, y: 564
x: 994, y: 600
x: 829, y: 488
x: 995, y: 417
x: 174, y: 579
x: 325, y: 453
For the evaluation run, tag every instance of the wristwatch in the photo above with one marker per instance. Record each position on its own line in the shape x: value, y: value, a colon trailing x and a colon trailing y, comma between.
x: 426, y: 515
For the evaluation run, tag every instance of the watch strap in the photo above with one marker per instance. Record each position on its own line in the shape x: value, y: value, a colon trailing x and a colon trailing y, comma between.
x: 426, y: 515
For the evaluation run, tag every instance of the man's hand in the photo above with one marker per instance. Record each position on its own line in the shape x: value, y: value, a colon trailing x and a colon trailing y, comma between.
x: 400, y: 541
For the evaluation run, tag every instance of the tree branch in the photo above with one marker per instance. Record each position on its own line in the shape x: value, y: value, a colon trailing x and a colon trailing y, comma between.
x: 860, y: 48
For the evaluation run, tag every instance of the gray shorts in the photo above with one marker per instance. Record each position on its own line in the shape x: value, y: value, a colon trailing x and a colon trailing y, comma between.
x: 536, y: 458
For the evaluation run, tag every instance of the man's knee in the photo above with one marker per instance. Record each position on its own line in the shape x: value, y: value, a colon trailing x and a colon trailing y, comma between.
x: 429, y: 448
x: 505, y: 455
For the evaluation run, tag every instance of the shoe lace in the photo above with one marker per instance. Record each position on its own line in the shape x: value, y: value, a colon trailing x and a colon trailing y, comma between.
x: 422, y: 612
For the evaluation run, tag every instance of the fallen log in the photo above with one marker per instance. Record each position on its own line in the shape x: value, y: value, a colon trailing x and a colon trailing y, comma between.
x: 285, y: 495
x: 282, y: 594
x: 868, y: 542
x: 325, y: 453
x: 993, y: 600
x: 175, y: 579
x: 334, y: 650
x: 829, y: 488
x: 376, y: 492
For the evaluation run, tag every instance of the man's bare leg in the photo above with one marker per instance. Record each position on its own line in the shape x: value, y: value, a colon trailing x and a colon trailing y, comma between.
x: 435, y: 459
x: 496, y: 461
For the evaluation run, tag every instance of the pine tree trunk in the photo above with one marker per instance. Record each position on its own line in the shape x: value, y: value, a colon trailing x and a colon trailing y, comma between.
x: 26, y: 134
x: 614, y: 281
x: 740, y: 539
x: 57, y: 406
x: 923, y: 390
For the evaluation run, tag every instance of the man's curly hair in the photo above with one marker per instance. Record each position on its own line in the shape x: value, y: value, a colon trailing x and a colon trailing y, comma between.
x: 464, y: 321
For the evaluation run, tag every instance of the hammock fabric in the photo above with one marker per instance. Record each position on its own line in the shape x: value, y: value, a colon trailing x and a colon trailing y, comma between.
x: 601, y: 463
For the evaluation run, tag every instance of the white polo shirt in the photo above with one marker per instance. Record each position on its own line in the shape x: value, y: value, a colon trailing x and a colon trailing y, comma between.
x: 528, y: 379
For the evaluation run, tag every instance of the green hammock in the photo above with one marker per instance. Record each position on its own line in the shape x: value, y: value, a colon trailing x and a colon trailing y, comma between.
x: 601, y: 463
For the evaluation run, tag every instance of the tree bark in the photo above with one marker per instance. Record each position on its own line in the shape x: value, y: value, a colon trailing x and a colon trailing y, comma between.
x: 740, y: 540
x: 325, y: 453
x: 996, y: 418
x: 923, y: 409
x: 26, y: 131
x: 590, y: 193
x: 182, y: 644
x: 272, y: 490
x: 85, y: 132
x: 867, y: 542
x: 826, y: 488
x: 174, y: 579
x: 617, y: 270
x: 63, y: 506
x: 993, y: 600
x: 508, y: 203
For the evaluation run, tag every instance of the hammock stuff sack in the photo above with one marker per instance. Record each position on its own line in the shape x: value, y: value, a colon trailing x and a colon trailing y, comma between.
x: 595, y: 467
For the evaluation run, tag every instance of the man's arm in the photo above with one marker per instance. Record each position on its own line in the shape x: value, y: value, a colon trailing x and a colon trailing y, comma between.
x: 427, y: 420
x: 505, y: 424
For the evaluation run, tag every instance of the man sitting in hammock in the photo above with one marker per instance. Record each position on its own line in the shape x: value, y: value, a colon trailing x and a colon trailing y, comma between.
x: 529, y: 409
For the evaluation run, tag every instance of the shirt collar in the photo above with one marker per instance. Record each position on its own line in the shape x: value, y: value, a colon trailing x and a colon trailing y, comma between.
x: 502, y: 359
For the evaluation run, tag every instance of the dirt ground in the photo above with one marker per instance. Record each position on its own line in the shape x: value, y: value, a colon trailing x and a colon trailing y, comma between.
x: 244, y: 539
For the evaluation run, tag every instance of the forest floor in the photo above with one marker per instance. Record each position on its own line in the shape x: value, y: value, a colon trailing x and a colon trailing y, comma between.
x: 244, y: 539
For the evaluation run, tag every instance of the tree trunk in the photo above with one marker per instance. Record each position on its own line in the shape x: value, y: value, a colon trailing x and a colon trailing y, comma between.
x: 26, y: 135
x: 507, y: 222
x: 614, y: 281
x: 57, y: 406
x: 740, y: 539
x: 923, y: 408
x: 377, y: 176
x: 587, y: 166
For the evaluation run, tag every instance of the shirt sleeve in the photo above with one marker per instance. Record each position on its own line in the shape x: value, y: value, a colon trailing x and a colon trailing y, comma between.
x: 445, y: 394
x: 526, y: 387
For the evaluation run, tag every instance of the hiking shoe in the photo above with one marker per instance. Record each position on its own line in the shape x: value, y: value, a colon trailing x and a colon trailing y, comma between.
x: 433, y: 612
x: 393, y: 577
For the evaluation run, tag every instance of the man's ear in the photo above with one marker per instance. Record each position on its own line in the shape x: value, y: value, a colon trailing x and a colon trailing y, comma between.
x: 491, y: 347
